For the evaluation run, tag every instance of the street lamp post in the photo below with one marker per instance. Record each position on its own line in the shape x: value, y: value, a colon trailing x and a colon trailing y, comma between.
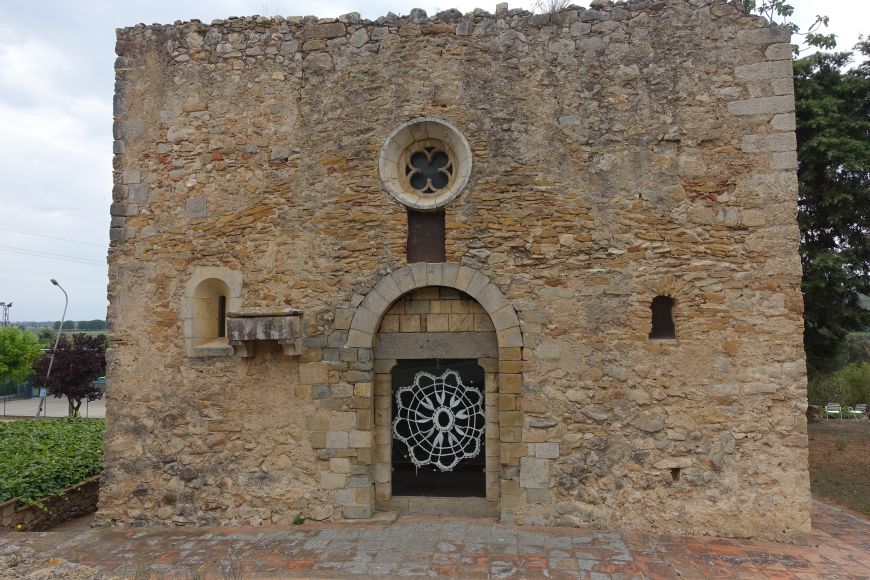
x: 56, y: 340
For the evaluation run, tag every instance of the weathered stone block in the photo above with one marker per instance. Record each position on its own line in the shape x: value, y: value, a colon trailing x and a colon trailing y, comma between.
x: 766, y: 143
x: 357, y: 512
x: 510, y: 383
x: 762, y: 105
x: 357, y: 439
x: 764, y: 35
x: 124, y: 209
x: 784, y: 160
x: 329, y: 480
x: 330, y: 30
x: 337, y: 439
x: 138, y: 192
x: 534, y: 473
x: 436, y: 345
x: 777, y: 69
x: 313, y: 373
x: 783, y: 122
x: 510, y: 337
x: 544, y: 450
x: 317, y: 62
x: 760, y: 388
x: 196, y: 207
x: 782, y: 86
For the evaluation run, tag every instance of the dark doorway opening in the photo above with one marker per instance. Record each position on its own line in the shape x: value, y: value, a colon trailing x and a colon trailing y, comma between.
x: 438, y: 397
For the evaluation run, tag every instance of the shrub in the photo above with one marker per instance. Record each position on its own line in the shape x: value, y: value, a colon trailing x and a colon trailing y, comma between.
x: 857, y: 379
x: 849, y: 385
x: 40, y: 458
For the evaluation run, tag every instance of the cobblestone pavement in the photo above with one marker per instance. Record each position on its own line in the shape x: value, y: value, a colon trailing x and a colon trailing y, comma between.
x: 429, y: 546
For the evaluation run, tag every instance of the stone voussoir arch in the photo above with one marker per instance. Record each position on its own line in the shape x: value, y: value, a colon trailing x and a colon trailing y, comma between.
x: 367, y: 317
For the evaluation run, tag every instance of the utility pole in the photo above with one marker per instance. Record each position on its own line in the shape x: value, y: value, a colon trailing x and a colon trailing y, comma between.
x: 5, y: 306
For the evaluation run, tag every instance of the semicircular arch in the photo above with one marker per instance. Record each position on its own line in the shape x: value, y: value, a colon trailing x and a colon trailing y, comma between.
x: 367, y: 316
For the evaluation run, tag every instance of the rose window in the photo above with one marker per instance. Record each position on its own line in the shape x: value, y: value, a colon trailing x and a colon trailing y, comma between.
x: 439, y: 419
x: 425, y: 163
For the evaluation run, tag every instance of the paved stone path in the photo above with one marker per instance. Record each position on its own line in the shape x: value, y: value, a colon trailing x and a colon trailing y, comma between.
x: 418, y: 546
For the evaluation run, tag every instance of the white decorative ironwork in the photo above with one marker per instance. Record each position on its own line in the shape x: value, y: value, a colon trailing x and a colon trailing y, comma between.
x: 439, y: 419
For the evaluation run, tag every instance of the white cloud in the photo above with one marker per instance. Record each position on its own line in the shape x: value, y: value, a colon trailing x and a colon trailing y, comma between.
x: 27, y: 66
x: 55, y: 159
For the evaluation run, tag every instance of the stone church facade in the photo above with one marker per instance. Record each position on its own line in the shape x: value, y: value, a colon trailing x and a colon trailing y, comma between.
x: 538, y: 267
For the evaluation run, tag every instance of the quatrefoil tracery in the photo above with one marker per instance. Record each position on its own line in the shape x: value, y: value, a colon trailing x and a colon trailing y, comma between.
x: 429, y: 168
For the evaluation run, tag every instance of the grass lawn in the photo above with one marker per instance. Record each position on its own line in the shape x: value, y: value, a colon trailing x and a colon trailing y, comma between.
x: 40, y: 458
x: 840, y: 462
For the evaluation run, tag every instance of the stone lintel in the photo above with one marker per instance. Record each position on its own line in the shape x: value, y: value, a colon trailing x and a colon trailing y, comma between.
x: 411, y: 345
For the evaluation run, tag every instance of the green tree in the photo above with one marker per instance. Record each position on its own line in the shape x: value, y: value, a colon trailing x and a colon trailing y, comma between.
x: 95, y: 324
x: 833, y: 134
x: 780, y: 12
x: 18, y: 350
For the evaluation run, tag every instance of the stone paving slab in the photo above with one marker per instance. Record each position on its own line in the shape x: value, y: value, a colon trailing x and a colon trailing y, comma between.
x: 839, y: 548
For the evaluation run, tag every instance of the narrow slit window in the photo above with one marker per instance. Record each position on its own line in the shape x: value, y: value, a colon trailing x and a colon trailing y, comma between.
x: 222, y: 316
x: 662, y: 318
x: 426, y: 236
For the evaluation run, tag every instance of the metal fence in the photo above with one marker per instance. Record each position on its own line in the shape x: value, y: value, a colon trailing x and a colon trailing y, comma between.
x: 22, y: 401
x: 9, y: 391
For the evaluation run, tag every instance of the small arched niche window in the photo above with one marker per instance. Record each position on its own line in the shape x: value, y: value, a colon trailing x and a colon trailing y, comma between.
x: 210, y: 312
x: 662, y: 318
x: 210, y: 293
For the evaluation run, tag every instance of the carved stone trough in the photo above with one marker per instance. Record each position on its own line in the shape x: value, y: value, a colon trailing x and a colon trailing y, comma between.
x: 246, y: 328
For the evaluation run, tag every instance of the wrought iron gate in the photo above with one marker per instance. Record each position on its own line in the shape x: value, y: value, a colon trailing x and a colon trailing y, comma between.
x: 438, y: 428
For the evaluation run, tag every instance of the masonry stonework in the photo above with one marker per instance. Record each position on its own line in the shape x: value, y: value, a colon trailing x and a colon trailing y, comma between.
x: 618, y: 153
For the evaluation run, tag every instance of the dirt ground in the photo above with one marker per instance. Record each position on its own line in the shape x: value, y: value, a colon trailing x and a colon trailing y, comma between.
x: 840, y: 463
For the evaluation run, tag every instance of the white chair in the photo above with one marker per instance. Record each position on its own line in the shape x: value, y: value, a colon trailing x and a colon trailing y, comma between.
x: 856, y: 413
x: 833, y: 410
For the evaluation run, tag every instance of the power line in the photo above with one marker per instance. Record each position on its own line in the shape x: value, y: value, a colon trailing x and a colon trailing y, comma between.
x: 52, y: 238
x: 50, y: 256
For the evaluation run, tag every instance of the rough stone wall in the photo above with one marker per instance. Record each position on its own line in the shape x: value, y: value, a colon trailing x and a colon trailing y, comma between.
x: 620, y: 152
x: 73, y: 502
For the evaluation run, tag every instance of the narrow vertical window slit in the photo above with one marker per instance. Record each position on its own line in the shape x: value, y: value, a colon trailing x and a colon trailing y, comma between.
x: 662, y: 318
x: 222, y: 316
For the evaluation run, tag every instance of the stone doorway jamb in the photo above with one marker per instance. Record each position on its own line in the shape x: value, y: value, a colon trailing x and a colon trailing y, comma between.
x: 363, y: 331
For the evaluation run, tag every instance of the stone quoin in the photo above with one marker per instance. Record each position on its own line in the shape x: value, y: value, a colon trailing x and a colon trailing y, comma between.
x: 586, y: 217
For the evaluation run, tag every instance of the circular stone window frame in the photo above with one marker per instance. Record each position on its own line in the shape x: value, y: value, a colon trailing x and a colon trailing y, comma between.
x: 403, y: 141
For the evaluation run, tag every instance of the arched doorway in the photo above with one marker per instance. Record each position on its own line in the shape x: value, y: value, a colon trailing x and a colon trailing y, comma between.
x: 447, y: 323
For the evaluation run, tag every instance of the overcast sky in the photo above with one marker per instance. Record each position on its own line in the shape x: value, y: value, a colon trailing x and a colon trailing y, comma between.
x: 56, y: 81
